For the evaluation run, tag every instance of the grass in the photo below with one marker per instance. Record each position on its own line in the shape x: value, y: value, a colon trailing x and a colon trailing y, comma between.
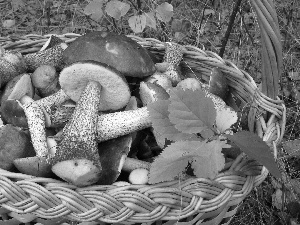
x: 243, y: 49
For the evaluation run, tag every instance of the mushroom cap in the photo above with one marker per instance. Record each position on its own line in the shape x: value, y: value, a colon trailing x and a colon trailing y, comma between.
x: 118, y: 51
x: 17, y: 87
x: 14, y: 143
x: 115, y: 92
x: 112, y: 156
x: 13, y: 113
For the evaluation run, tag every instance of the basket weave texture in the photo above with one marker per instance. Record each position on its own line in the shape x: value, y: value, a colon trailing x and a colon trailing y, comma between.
x: 190, y: 201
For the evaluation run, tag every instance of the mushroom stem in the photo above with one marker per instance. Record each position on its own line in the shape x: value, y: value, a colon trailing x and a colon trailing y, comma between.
x: 52, y: 56
x: 36, y: 123
x: 50, y: 102
x: 76, y: 159
x: 117, y: 124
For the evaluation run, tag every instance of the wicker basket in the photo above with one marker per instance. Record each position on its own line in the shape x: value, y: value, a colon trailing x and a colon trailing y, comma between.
x: 193, y: 201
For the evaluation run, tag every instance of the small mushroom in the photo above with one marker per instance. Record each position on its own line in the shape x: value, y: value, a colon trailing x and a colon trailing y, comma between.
x: 150, y: 92
x: 76, y: 159
x: 160, y: 79
x: 16, y: 59
x: 11, y: 109
x: 170, y: 66
x: 45, y: 80
x: 52, y: 56
x: 14, y: 143
x: 7, y: 72
x: 18, y: 87
x: 36, y: 124
x: 116, y: 50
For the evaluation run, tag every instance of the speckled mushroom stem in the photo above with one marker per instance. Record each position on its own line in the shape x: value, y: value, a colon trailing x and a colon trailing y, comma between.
x: 116, y: 124
x: 7, y: 71
x: 36, y: 124
x: 51, y: 102
x: 79, y: 134
x: 173, y: 56
x: 51, y: 56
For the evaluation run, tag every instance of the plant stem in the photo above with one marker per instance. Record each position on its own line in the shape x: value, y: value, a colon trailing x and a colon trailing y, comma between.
x: 230, y: 26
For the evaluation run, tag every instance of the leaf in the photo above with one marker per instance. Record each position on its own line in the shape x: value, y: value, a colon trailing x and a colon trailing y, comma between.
x: 94, y: 9
x: 257, y: 149
x: 176, y: 25
x: 117, y: 9
x: 191, y: 111
x: 8, y: 23
x: 225, y: 119
x: 159, y: 115
x: 292, y: 147
x: 210, y: 159
x: 137, y: 23
x: 206, y: 160
x: 150, y: 20
x: 169, y: 164
x: 164, y: 12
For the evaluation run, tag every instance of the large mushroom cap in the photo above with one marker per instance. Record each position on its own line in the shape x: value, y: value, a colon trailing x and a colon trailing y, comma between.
x: 115, y: 92
x: 118, y: 51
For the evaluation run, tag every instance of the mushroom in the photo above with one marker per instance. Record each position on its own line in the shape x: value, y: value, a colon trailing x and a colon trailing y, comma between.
x: 14, y: 143
x: 115, y: 92
x: 7, y: 72
x: 116, y: 50
x: 16, y: 59
x: 36, y: 124
x: 17, y: 87
x: 76, y: 158
x: 45, y: 80
x: 170, y: 66
x: 11, y: 109
x: 52, y: 56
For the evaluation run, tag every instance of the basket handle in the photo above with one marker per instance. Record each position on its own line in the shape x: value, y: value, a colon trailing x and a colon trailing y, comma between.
x: 271, y: 46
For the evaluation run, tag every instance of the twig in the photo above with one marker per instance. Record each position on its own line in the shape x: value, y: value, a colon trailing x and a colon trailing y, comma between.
x: 230, y: 26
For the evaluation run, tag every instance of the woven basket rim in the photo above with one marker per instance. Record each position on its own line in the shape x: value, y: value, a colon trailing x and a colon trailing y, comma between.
x: 228, y: 187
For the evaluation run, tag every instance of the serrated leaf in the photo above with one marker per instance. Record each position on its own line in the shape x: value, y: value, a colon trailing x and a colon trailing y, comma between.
x: 225, y: 119
x: 169, y: 165
x: 191, y: 111
x: 176, y: 25
x: 164, y: 12
x: 292, y: 147
x: 117, y: 9
x: 94, y: 9
x: 150, y: 20
x: 210, y: 159
x: 137, y: 23
x: 159, y: 115
x: 257, y: 149
x: 206, y: 160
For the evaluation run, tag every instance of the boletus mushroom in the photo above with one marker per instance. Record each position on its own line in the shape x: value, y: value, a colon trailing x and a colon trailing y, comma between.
x: 94, y: 87
x: 76, y: 159
x: 116, y: 50
x: 14, y: 143
x: 11, y: 109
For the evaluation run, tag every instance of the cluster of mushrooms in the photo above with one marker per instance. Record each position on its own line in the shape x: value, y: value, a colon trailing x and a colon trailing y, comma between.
x: 70, y: 110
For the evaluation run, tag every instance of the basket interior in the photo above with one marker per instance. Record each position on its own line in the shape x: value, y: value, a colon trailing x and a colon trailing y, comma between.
x: 216, y: 200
